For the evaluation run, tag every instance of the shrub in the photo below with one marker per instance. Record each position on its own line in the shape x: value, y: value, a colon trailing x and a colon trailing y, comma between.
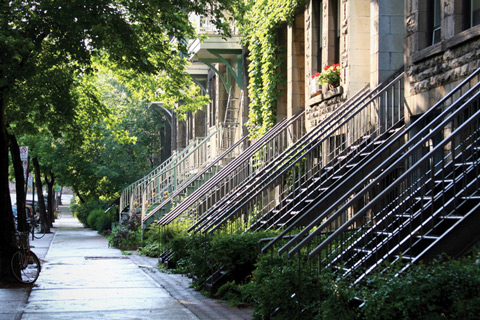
x: 441, y: 290
x: 126, y: 236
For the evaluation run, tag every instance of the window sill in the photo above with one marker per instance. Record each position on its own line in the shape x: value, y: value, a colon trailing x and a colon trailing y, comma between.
x: 446, y: 44
x: 325, y: 96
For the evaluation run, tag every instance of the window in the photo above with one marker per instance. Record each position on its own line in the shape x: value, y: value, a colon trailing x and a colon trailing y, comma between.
x: 434, y: 22
x: 471, y: 13
x: 337, y: 31
x: 320, y: 34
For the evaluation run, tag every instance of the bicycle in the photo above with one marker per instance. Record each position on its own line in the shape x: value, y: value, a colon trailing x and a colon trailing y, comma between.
x: 25, y: 264
x: 37, y: 228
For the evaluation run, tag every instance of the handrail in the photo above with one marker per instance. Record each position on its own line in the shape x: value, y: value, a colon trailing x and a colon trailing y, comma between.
x: 301, y: 154
x: 127, y: 191
x: 227, y: 170
x: 345, y: 184
x: 176, y: 177
x: 382, y: 170
x: 197, y: 176
x: 388, y: 170
x: 285, y: 155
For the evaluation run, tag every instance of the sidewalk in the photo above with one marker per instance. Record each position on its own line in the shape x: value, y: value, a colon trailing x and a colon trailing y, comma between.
x: 82, y: 278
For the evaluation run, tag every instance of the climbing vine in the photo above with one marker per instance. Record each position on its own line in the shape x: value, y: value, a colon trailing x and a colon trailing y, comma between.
x: 258, y: 22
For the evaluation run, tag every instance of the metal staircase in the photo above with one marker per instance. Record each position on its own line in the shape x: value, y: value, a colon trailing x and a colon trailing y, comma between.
x: 277, y: 195
x: 196, y: 181
x: 155, y: 188
x: 252, y: 159
x: 133, y: 192
x: 420, y: 201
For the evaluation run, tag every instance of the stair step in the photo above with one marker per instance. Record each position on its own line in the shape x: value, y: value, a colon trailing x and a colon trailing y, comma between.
x: 309, y: 200
x: 337, y: 177
x: 423, y: 198
x: 362, y: 250
x: 474, y: 197
x: 427, y: 237
x: 378, y: 142
x: 451, y: 217
x: 403, y: 215
x: 322, y: 189
x: 365, y: 154
x: 351, y: 165
x: 294, y: 213
x: 468, y: 163
x: 404, y: 257
x: 443, y: 181
x: 341, y: 268
x: 394, y: 130
x: 383, y: 233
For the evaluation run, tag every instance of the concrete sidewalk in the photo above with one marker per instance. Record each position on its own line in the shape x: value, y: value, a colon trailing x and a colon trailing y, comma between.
x: 82, y: 278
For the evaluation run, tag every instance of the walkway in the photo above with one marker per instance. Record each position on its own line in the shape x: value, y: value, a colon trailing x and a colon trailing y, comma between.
x: 82, y: 278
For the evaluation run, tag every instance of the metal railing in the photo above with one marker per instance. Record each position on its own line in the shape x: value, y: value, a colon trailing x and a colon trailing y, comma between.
x: 202, y: 177
x: 359, y: 119
x: 133, y: 188
x: 379, y: 217
x: 156, y: 188
x: 257, y: 155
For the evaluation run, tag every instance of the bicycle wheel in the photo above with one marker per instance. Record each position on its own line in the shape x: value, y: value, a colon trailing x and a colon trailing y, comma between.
x: 25, y: 266
x: 39, y: 231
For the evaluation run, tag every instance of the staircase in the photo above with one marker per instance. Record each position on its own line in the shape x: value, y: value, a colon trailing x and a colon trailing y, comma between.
x: 256, y: 156
x: 277, y: 195
x: 148, y: 193
x: 132, y: 193
x: 196, y: 181
x: 412, y: 205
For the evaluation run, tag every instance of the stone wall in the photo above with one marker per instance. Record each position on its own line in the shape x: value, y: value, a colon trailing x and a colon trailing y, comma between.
x: 449, y: 66
x: 321, y: 106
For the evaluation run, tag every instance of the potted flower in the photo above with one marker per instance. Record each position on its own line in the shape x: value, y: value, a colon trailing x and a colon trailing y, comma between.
x: 315, y: 87
x: 330, y: 75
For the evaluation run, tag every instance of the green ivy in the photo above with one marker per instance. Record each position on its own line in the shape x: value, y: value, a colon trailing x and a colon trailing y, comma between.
x: 258, y: 22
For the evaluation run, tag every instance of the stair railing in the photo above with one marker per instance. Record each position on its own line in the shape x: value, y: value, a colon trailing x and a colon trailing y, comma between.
x: 203, y: 176
x: 380, y: 188
x: 230, y: 176
x: 343, y: 192
x: 158, y: 187
x: 364, y: 121
x: 127, y: 197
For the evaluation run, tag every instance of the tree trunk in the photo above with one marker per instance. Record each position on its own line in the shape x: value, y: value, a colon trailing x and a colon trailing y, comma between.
x: 41, y: 200
x: 7, y: 226
x: 50, y: 198
x: 19, y: 183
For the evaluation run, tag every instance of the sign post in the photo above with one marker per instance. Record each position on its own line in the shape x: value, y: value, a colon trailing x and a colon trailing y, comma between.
x: 24, y: 159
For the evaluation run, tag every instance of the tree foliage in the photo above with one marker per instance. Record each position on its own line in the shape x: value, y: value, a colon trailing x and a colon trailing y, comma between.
x: 46, y: 49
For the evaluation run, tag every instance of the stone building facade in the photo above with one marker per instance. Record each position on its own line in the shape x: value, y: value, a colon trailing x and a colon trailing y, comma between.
x: 365, y: 37
x: 442, y: 47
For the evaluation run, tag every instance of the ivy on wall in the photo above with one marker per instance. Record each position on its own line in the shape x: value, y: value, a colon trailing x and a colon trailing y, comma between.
x: 258, y: 22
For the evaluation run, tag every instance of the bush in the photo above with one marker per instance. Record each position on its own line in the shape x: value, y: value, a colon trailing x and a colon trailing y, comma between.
x: 126, y: 236
x: 442, y: 290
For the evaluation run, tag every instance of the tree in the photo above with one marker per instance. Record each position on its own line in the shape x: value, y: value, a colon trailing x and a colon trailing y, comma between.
x: 40, y: 38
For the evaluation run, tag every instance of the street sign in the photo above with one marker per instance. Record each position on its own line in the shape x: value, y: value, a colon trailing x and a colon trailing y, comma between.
x: 24, y: 153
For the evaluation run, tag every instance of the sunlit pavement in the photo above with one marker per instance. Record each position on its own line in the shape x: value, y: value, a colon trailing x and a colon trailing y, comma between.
x: 82, y: 278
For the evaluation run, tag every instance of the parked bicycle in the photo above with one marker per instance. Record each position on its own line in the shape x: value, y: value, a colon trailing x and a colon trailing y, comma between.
x: 37, y: 228
x: 25, y: 264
